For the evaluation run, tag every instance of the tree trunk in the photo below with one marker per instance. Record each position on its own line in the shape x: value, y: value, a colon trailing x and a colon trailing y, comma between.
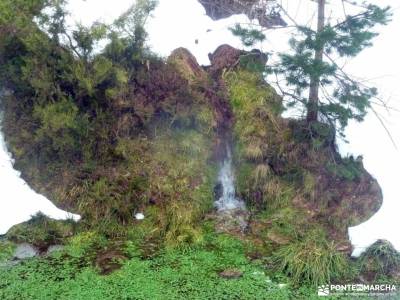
x: 312, y: 109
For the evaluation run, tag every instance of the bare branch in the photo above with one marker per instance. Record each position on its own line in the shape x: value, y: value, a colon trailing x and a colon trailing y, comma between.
x: 384, y: 126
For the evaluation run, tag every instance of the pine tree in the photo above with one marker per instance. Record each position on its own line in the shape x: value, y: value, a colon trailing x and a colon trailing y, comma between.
x: 312, y: 74
x: 344, y: 97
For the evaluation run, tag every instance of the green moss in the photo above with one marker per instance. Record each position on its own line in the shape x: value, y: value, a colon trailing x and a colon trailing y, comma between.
x: 256, y: 107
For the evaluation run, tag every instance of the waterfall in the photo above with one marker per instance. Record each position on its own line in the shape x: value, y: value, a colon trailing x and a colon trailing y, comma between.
x: 18, y: 202
x: 228, y: 200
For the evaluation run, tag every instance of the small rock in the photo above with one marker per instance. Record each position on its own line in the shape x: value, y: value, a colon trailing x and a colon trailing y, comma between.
x: 24, y: 251
x: 139, y: 216
x: 231, y: 274
x: 344, y: 247
x: 282, y: 285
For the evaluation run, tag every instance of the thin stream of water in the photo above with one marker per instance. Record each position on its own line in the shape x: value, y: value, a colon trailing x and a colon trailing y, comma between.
x: 228, y: 200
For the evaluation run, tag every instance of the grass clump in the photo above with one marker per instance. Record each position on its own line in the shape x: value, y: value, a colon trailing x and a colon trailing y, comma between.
x: 85, y: 244
x: 182, y: 229
x: 278, y: 194
x: 312, y: 260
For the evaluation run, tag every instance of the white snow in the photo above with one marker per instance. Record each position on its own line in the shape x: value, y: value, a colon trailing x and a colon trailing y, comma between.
x: 139, y: 216
x: 18, y: 202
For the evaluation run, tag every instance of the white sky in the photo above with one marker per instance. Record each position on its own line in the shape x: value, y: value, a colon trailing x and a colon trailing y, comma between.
x: 179, y: 23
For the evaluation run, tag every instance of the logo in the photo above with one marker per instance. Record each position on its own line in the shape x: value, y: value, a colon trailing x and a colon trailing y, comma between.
x: 357, y: 289
x: 323, y: 290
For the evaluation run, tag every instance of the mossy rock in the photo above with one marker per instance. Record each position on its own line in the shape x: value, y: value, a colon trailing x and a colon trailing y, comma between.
x: 42, y: 232
x: 381, y: 259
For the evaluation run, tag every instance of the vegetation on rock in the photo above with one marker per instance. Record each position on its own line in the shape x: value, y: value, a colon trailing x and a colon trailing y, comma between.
x: 380, y: 261
x: 42, y: 232
x: 295, y: 184
x: 119, y: 131
x: 110, y: 133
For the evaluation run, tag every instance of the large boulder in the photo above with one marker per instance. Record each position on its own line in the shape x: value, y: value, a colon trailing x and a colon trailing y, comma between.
x: 186, y: 64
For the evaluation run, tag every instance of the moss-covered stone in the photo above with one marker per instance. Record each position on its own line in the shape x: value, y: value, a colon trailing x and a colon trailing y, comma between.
x: 42, y: 232
x: 380, y: 261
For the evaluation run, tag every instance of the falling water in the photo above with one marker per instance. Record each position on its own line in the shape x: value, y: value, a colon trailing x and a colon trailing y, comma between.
x: 18, y: 202
x: 228, y: 200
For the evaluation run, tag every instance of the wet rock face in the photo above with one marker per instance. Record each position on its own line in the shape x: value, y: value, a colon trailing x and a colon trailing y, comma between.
x: 265, y: 11
x: 24, y: 251
x: 220, y: 9
x: 218, y: 191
